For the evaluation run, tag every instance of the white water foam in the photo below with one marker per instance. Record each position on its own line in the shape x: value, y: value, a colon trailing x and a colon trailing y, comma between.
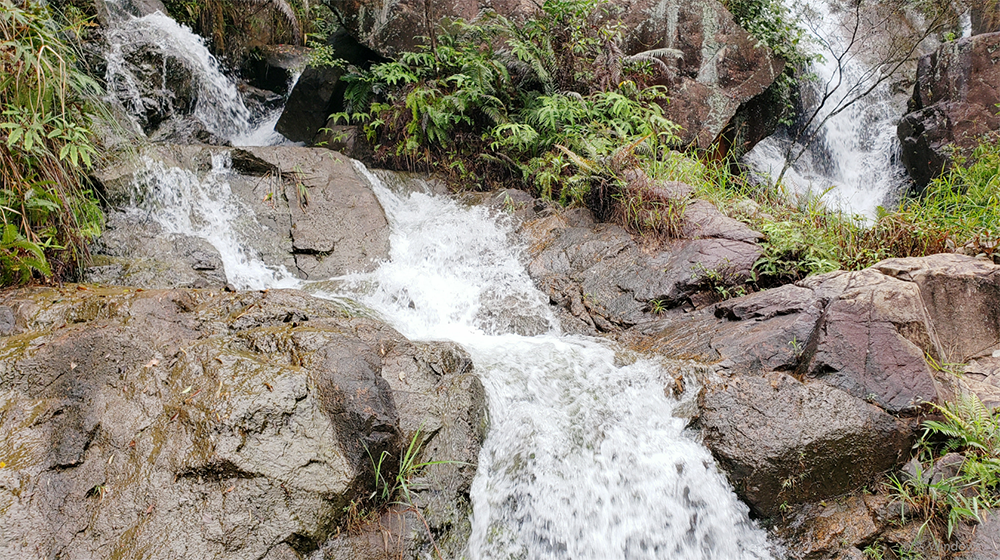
x: 183, y: 202
x: 584, y: 458
x: 857, y: 151
x: 219, y: 105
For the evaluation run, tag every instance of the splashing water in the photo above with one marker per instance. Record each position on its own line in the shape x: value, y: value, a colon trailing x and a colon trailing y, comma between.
x: 182, y: 202
x: 857, y: 151
x: 218, y: 103
x: 584, y: 458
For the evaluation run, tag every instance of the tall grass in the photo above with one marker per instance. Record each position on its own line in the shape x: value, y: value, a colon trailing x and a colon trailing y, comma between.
x: 48, y: 108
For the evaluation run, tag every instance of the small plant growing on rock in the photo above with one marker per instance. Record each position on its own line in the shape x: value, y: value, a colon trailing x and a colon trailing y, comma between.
x: 972, y: 430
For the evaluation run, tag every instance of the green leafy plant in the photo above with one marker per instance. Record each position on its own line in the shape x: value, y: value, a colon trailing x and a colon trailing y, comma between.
x: 551, y: 104
x: 49, y: 107
x: 971, y: 429
x: 399, y: 486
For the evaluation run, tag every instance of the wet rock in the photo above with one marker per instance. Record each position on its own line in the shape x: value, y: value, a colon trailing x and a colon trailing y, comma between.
x: 306, y: 209
x: 980, y: 541
x: 834, y: 529
x: 196, y: 424
x: 962, y: 298
x: 134, y: 250
x: 272, y: 67
x: 167, y: 87
x: 185, y: 130
x: 854, y: 342
x: 825, y: 444
x: 318, y: 92
x: 719, y: 67
x: 953, y: 104
x: 871, y: 341
x: 604, y: 278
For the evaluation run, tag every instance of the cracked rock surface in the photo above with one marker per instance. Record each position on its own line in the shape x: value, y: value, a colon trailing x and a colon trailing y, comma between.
x: 305, y: 209
x: 199, y: 424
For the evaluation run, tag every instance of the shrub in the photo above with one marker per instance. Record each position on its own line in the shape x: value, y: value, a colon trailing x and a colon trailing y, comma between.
x: 48, y: 108
x: 551, y: 104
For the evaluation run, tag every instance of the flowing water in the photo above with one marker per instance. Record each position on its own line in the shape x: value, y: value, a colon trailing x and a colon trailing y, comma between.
x: 585, y: 457
x: 856, y: 152
x: 218, y: 103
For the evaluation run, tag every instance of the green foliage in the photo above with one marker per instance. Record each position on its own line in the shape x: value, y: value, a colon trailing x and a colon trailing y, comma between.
x: 964, y: 202
x: 49, y: 107
x: 773, y: 25
x: 399, y: 486
x: 550, y: 103
x: 969, y: 428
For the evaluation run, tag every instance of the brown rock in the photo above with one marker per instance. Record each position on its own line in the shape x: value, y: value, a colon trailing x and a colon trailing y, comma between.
x: 954, y: 103
x: 786, y: 442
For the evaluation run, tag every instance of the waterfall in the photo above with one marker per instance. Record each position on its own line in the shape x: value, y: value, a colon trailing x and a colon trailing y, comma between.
x: 217, y: 101
x: 855, y: 156
x: 587, y: 457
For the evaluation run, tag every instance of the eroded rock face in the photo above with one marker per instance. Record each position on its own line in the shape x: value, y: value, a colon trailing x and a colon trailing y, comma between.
x: 308, y: 210
x: 602, y: 276
x: 193, y: 424
x: 783, y: 441
x: 954, y: 103
x: 719, y: 68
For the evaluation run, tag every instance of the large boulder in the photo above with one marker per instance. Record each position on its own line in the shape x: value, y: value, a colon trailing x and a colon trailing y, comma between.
x: 719, y: 67
x: 607, y: 279
x: 954, y: 103
x: 783, y: 441
x: 196, y: 424
x: 318, y: 92
x: 716, y: 68
x: 842, y: 360
x: 307, y: 210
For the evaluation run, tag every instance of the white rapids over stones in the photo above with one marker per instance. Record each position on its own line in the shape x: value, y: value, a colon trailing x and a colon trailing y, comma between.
x: 584, y: 458
x: 219, y: 104
x: 857, y: 151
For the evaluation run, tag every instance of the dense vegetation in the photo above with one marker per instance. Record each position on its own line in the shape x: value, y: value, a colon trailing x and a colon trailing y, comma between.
x: 49, y: 106
x: 555, y: 107
x: 942, y: 494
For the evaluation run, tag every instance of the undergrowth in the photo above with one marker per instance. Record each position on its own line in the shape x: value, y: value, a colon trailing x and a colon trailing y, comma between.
x: 48, y: 109
x: 941, y: 500
x: 551, y: 104
x: 554, y: 106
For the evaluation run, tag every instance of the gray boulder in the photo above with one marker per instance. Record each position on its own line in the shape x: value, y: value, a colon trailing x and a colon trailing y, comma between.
x: 307, y: 210
x: 821, y: 383
x: 196, y: 424
x: 602, y: 276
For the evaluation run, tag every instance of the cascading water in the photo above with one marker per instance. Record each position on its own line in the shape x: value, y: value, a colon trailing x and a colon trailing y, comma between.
x: 856, y: 152
x: 585, y: 458
x: 217, y: 102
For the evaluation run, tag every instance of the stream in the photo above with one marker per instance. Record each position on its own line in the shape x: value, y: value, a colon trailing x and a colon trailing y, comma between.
x: 585, y: 457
